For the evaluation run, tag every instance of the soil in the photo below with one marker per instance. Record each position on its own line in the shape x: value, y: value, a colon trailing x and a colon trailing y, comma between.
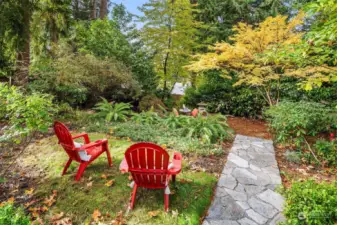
x: 249, y: 127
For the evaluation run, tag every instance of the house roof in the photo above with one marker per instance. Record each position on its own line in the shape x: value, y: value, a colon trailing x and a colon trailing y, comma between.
x: 179, y: 88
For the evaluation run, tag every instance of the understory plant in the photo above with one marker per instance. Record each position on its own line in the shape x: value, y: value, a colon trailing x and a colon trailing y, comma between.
x: 10, y: 215
x: 25, y: 116
x: 310, y: 203
x: 113, y: 111
x: 327, y: 151
x: 291, y: 122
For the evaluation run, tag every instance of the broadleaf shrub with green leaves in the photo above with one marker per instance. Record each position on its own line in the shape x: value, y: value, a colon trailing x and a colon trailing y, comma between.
x: 162, y: 135
x: 113, y: 111
x: 292, y: 121
x: 25, y: 114
x: 310, y: 203
x: 9, y: 215
x: 327, y: 151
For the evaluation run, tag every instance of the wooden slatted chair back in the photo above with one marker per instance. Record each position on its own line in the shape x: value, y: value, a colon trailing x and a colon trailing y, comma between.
x: 65, y: 139
x: 148, y: 164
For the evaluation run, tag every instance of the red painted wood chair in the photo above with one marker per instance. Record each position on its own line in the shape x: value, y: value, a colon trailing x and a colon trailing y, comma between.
x: 150, y: 168
x: 83, y: 154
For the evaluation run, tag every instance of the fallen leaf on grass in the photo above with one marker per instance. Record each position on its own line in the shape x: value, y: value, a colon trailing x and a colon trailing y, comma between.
x: 64, y: 221
x: 31, y: 203
x: 103, y: 176
x: 51, y: 200
x: 29, y: 191
x: 109, y: 183
x: 9, y: 201
x: 57, y: 216
x: 153, y: 213
x: 184, y: 181
x: 89, y: 184
x: 96, y: 215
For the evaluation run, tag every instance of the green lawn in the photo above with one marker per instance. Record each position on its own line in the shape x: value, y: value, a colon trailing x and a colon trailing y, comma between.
x: 188, y: 202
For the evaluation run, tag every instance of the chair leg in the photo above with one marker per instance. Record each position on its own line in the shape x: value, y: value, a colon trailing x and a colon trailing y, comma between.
x: 66, y: 166
x: 133, y: 197
x: 166, y: 202
x: 173, y: 178
x: 109, y: 157
x: 80, y: 171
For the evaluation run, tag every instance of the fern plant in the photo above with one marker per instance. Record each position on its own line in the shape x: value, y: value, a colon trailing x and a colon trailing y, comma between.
x: 148, y: 117
x: 113, y: 111
x: 209, y: 129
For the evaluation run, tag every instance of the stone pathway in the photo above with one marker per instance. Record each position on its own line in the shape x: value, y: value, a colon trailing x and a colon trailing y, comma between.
x: 245, y: 192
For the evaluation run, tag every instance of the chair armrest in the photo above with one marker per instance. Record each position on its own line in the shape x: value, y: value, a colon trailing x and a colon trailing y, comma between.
x: 123, y: 167
x: 84, y: 135
x: 92, y: 144
x: 177, y: 161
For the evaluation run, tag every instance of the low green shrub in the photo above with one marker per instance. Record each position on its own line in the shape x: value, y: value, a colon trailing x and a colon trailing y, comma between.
x: 112, y: 111
x: 148, y: 117
x: 327, y: 151
x: 210, y: 129
x: 149, y: 102
x: 9, y: 215
x: 310, y: 203
x: 292, y: 121
x: 25, y: 114
x: 162, y: 135
x: 223, y: 97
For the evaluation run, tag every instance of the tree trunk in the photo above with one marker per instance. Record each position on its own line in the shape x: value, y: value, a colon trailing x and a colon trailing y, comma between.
x: 93, y: 15
x: 54, y: 33
x: 103, y: 9
x: 23, y: 55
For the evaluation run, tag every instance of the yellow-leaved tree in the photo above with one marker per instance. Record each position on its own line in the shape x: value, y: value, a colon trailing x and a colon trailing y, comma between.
x: 248, y: 55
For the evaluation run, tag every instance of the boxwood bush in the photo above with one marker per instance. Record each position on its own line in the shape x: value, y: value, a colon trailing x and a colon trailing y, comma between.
x: 311, y: 203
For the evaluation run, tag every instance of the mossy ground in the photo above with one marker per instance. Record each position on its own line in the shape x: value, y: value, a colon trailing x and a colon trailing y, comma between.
x: 78, y: 200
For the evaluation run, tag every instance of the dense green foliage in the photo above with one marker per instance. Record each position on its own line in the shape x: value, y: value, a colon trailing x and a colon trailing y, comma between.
x: 292, y: 121
x: 9, y: 215
x: 221, y: 96
x: 326, y: 150
x: 25, y: 114
x: 113, y: 111
x: 311, y: 203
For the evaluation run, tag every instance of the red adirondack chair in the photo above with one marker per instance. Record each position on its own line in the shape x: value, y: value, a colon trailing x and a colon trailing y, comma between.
x: 149, y: 166
x: 91, y: 149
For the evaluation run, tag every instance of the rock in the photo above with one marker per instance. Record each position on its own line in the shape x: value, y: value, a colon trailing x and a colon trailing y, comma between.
x: 237, y: 160
x: 262, y: 208
x: 236, y: 195
x: 246, y: 221
x: 256, y: 217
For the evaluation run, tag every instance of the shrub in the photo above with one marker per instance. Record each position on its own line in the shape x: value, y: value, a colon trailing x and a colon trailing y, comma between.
x: 113, y: 111
x: 151, y: 101
x: 159, y: 134
x: 26, y: 114
x: 148, y: 117
x: 81, y: 78
x: 292, y: 121
x: 209, y: 129
x: 9, y: 215
x: 327, y: 150
x: 223, y: 98
x: 311, y: 203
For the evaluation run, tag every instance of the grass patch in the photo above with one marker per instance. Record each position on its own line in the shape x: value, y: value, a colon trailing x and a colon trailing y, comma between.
x: 79, y: 200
